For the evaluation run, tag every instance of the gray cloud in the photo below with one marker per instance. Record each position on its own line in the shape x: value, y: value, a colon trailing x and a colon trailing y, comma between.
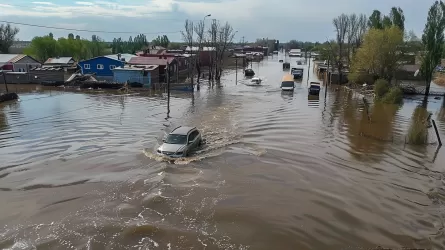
x: 283, y: 20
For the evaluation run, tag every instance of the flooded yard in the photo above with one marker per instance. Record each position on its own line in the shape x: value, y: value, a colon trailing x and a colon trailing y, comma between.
x: 279, y: 170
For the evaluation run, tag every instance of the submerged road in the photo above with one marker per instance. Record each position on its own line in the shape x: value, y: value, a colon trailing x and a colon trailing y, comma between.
x: 279, y: 171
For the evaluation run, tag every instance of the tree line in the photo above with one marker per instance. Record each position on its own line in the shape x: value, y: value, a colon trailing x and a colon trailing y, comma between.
x: 44, y: 47
x: 375, y: 47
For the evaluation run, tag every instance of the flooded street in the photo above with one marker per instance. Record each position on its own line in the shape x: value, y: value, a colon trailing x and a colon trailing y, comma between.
x: 278, y: 170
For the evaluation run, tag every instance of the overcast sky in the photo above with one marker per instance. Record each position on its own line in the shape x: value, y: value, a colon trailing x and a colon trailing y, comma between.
x: 306, y: 20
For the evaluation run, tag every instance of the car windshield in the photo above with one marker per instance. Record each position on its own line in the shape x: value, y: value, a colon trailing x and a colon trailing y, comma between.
x: 287, y: 84
x: 176, y: 139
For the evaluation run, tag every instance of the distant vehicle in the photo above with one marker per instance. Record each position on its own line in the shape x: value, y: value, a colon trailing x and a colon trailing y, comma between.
x: 314, y: 88
x: 297, y: 73
x: 249, y: 72
x: 280, y: 61
x: 256, y: 80
x: 299, y: 63
x: 286, y: 65
x: 275, y: 52
x: 287, y: 83
x: 180, y: 142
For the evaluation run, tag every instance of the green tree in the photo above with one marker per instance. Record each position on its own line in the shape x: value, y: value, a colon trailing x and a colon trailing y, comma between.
x: 433, y: 40
x: 380, y: 53
x: 375, y: 20
x: 161, y: 41
x: 46, y: 47
x: 397, y: 18
x: 386, y: 22
x: 7, y: 37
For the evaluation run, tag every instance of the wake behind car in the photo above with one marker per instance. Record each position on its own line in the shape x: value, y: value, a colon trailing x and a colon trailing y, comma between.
x: 180, y: 142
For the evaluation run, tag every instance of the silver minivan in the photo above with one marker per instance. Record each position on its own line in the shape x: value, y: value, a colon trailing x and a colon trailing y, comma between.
x: 180, y: 142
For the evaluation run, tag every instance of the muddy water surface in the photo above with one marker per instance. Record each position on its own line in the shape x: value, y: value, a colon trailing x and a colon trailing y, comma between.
x: 278, y: 171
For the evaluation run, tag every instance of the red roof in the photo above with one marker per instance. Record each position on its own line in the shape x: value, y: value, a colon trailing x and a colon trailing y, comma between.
x: 142, y: 60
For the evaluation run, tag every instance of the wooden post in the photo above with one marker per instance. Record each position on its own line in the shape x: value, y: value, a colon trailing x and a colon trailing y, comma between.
x: 437, y: 133
x: 236, y: 70
x: 4, y: 79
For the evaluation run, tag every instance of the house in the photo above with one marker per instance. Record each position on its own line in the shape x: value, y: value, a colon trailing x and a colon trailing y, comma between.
x: 161, y: 61
x: 205, y: 54
x: 61, y: 62
x: 152, y: 50
x: 145, y: 75
x: 181, y: 58
x: 17, y: 62
x: 56, y: 75
x: 102, y: 66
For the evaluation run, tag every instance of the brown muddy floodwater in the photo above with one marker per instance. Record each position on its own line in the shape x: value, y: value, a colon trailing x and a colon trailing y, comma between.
x: 279, y: 171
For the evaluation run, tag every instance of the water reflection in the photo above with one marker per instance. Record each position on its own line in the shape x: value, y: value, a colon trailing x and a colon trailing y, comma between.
x: 3, y: 119
x: 369, y: 135
x: 313, y: 101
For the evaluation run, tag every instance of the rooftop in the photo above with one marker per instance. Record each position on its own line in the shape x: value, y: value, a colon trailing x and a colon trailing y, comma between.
x: 60, y: 60
x: 141, y: 60
x: 182, y: 130
x: 11, y: 58
x: 195, y: 48
x: 124, y: 56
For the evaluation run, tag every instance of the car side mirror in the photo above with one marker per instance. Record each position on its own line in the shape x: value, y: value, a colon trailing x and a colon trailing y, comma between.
x: 163, y: 140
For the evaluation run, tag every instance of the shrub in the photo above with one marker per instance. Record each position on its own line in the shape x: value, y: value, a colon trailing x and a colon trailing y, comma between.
x: 393, y: 96
x: 381, y: 87
x: 418, y: 131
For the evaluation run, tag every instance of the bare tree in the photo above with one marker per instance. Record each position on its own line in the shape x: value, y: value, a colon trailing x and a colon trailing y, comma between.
x: 341, y: 27
x: 362, y: 28
x: 226, y: 35
x: 353, y: 26
x: 199, y: 30
x: 188, y: 37
x: 213, y: 43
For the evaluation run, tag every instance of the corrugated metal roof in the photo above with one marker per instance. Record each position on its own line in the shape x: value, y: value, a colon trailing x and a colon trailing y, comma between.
x: 127, y: 57
x: 59, y: 60
x: 194, y: 48
x: 10, y: 57
x: 141, y: 60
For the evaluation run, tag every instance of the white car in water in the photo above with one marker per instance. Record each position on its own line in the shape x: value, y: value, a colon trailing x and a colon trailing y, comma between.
x: 180, y: 142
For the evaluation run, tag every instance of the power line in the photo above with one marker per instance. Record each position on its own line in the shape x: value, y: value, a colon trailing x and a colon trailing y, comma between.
x: 91, y: 31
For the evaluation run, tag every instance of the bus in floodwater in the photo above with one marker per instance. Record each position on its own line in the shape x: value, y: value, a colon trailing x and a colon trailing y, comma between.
x: 287, y: 83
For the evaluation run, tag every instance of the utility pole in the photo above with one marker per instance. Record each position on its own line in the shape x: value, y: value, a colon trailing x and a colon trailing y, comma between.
x: 168, y: 90
x: 243, y: 40
x: 4, y: 79
x: 327, y: 81
x: 308, y: 69
x: 236, y: 70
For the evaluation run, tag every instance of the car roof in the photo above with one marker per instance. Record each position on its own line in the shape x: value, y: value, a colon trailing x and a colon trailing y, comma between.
x: 182, y: 130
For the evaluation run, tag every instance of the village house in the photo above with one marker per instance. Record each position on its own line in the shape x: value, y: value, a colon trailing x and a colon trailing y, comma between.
x: 205, y: 54
x: 16, y: 67
x: 17, y: 62
x: 137, y: 76
x: 102, y: 66
x: 161, y: 61
x: 60, y: 62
